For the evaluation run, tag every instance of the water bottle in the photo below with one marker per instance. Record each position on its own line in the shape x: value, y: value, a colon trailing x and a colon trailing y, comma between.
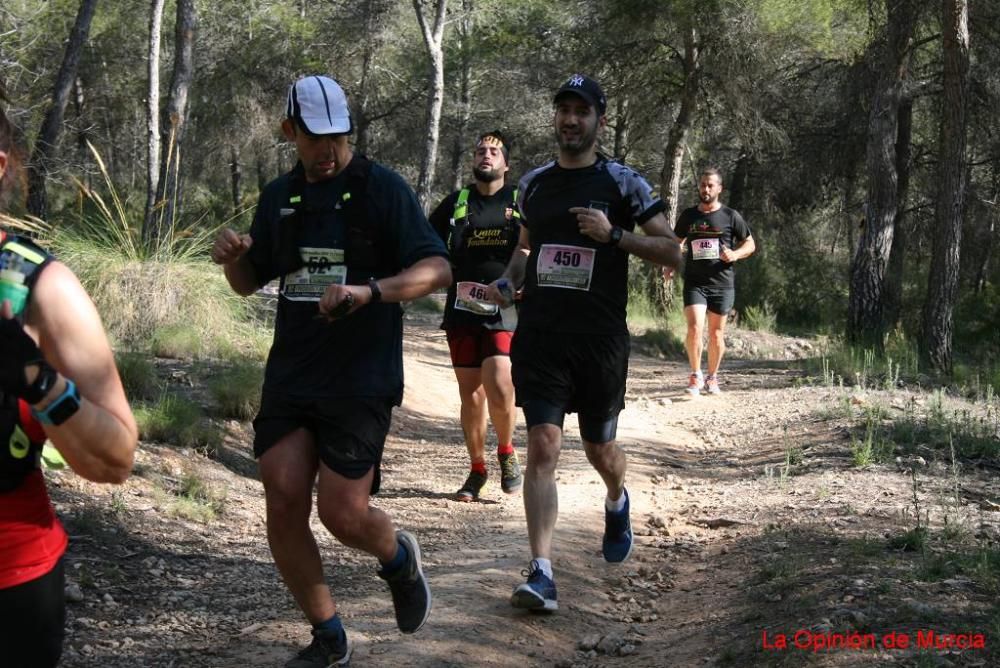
x: 508, y: 313
x: 506, y: 290
x: 12, y: 287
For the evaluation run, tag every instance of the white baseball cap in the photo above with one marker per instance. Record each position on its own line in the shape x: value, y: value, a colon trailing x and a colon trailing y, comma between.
x: 319, y: 106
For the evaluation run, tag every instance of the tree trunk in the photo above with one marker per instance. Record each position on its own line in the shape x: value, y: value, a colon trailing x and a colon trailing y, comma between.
x: 460, y: 148
x: 738, y: 183
x: 984, y: 265
x: 673, y: 154
x: 936, y: 343
x: 235, y: 177
x: 620, y: 148
x: 897, y: 254
x: 168, y: 191
x: 375, y: 12
x: 433, y: 39
x: 865, y: 325
x: 48, y: 136
x: 152, y: 122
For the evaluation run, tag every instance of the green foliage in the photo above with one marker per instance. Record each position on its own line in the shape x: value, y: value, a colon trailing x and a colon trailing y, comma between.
x: 138, y: 375
x: 178, y: 341
x: 843, y: 363
x: 237, y: 390
x: 177, y: 421
x: 428, y: 304
x: 832, y: 28
x: 139, y: 297
x: 193, y: 498
x: 871, y: 446
x: 972, y: 433
x: 912, y: 540
x: 759, y: 318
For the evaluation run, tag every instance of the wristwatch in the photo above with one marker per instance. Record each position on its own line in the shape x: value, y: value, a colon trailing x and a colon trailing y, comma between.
x: 376, y: 291
x: 61, y: 408
x: 615, y: 236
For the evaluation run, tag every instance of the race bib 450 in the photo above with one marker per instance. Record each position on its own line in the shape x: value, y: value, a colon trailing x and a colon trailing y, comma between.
x: 565, y: 266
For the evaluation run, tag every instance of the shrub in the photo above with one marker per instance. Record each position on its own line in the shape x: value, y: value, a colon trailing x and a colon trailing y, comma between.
x: 138, y: 376
x: 237, y: 390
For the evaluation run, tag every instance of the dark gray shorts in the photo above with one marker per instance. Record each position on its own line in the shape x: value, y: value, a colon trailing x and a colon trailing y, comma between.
x: 718, y: 300
x: 349, y: 431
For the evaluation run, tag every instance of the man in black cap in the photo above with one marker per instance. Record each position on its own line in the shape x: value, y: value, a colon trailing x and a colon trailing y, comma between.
x: 570, y: 352
x: 348, y: 241
x: 479, y: 224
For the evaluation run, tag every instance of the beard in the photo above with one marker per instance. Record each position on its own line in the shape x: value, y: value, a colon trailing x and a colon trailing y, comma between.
x: 582, y: 143
x: 487, y: 175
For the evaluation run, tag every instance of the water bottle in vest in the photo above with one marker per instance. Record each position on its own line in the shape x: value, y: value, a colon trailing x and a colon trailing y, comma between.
x: 12, y: 287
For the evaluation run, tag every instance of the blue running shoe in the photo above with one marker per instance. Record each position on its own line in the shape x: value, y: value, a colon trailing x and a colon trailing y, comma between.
x: 618, y: 540
x: 538, y: 593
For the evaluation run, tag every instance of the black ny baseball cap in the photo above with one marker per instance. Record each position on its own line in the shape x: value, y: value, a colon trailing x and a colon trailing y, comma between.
x: 586, y: 88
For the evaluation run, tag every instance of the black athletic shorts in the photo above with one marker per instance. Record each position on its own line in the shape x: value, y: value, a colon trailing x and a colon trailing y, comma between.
x: 582, y: 373
x: 350, y: 431
x: 32, y: 617
x: 718, y: 300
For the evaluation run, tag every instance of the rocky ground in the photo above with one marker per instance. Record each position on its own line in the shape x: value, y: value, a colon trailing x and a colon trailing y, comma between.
x: 755, y: 527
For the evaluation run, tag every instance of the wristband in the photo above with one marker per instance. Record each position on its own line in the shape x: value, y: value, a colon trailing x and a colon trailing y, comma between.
x: 61, y: 408
x: 376, y: 291
x: 44, y: 381
x: 615, y: 235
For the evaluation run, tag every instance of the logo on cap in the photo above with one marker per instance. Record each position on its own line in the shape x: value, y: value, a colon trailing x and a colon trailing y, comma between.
x: 575, y: 80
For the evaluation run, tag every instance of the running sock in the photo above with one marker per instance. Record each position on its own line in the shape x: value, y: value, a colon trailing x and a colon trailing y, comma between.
x: 545, y: 566
x: 505, y: 449
x: 396, y: 563
x: 479, y: 467
x: 616, y: 506
x: 333, y: 624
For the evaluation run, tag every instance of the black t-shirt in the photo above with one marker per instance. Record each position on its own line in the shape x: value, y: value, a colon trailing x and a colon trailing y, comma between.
x: 707, y: 234
x: 574, y: 284
x: 361, y: 354
x: 480, y: 245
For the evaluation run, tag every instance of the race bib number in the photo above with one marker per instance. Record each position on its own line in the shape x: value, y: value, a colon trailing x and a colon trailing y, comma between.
x: 565, y: 266
x: 705, y: 249
x: 471, y: 297
x: 323, y: 267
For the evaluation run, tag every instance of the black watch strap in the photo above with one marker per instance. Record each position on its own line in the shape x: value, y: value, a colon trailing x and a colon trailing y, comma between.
x: 43, y: 382
x: 615, y: 235
x: 376, y: 291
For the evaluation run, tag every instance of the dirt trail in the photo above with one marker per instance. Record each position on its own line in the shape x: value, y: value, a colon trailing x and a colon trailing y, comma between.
x: 734, y: 539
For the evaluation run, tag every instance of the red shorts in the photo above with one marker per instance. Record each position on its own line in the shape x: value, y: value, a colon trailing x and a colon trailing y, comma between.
x: 31, y: 538
x: 469, y: 346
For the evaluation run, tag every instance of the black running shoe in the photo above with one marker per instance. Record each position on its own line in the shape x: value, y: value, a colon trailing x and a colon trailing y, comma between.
x: 411, y: 595
x: 473, y: 486
x: 510, y: 473
x: 327, y: 649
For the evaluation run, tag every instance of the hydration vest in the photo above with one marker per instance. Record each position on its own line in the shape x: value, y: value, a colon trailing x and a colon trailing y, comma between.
x: 460, y: 219
x: 364, y: 249
x: 21, y: 435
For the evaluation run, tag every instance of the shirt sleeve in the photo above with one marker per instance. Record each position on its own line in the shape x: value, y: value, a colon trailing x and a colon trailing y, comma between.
x: 260, y: 256
x: 683, y: 225
x: 643, y: 202
x: 398, y: 206
x: 741, y: 230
